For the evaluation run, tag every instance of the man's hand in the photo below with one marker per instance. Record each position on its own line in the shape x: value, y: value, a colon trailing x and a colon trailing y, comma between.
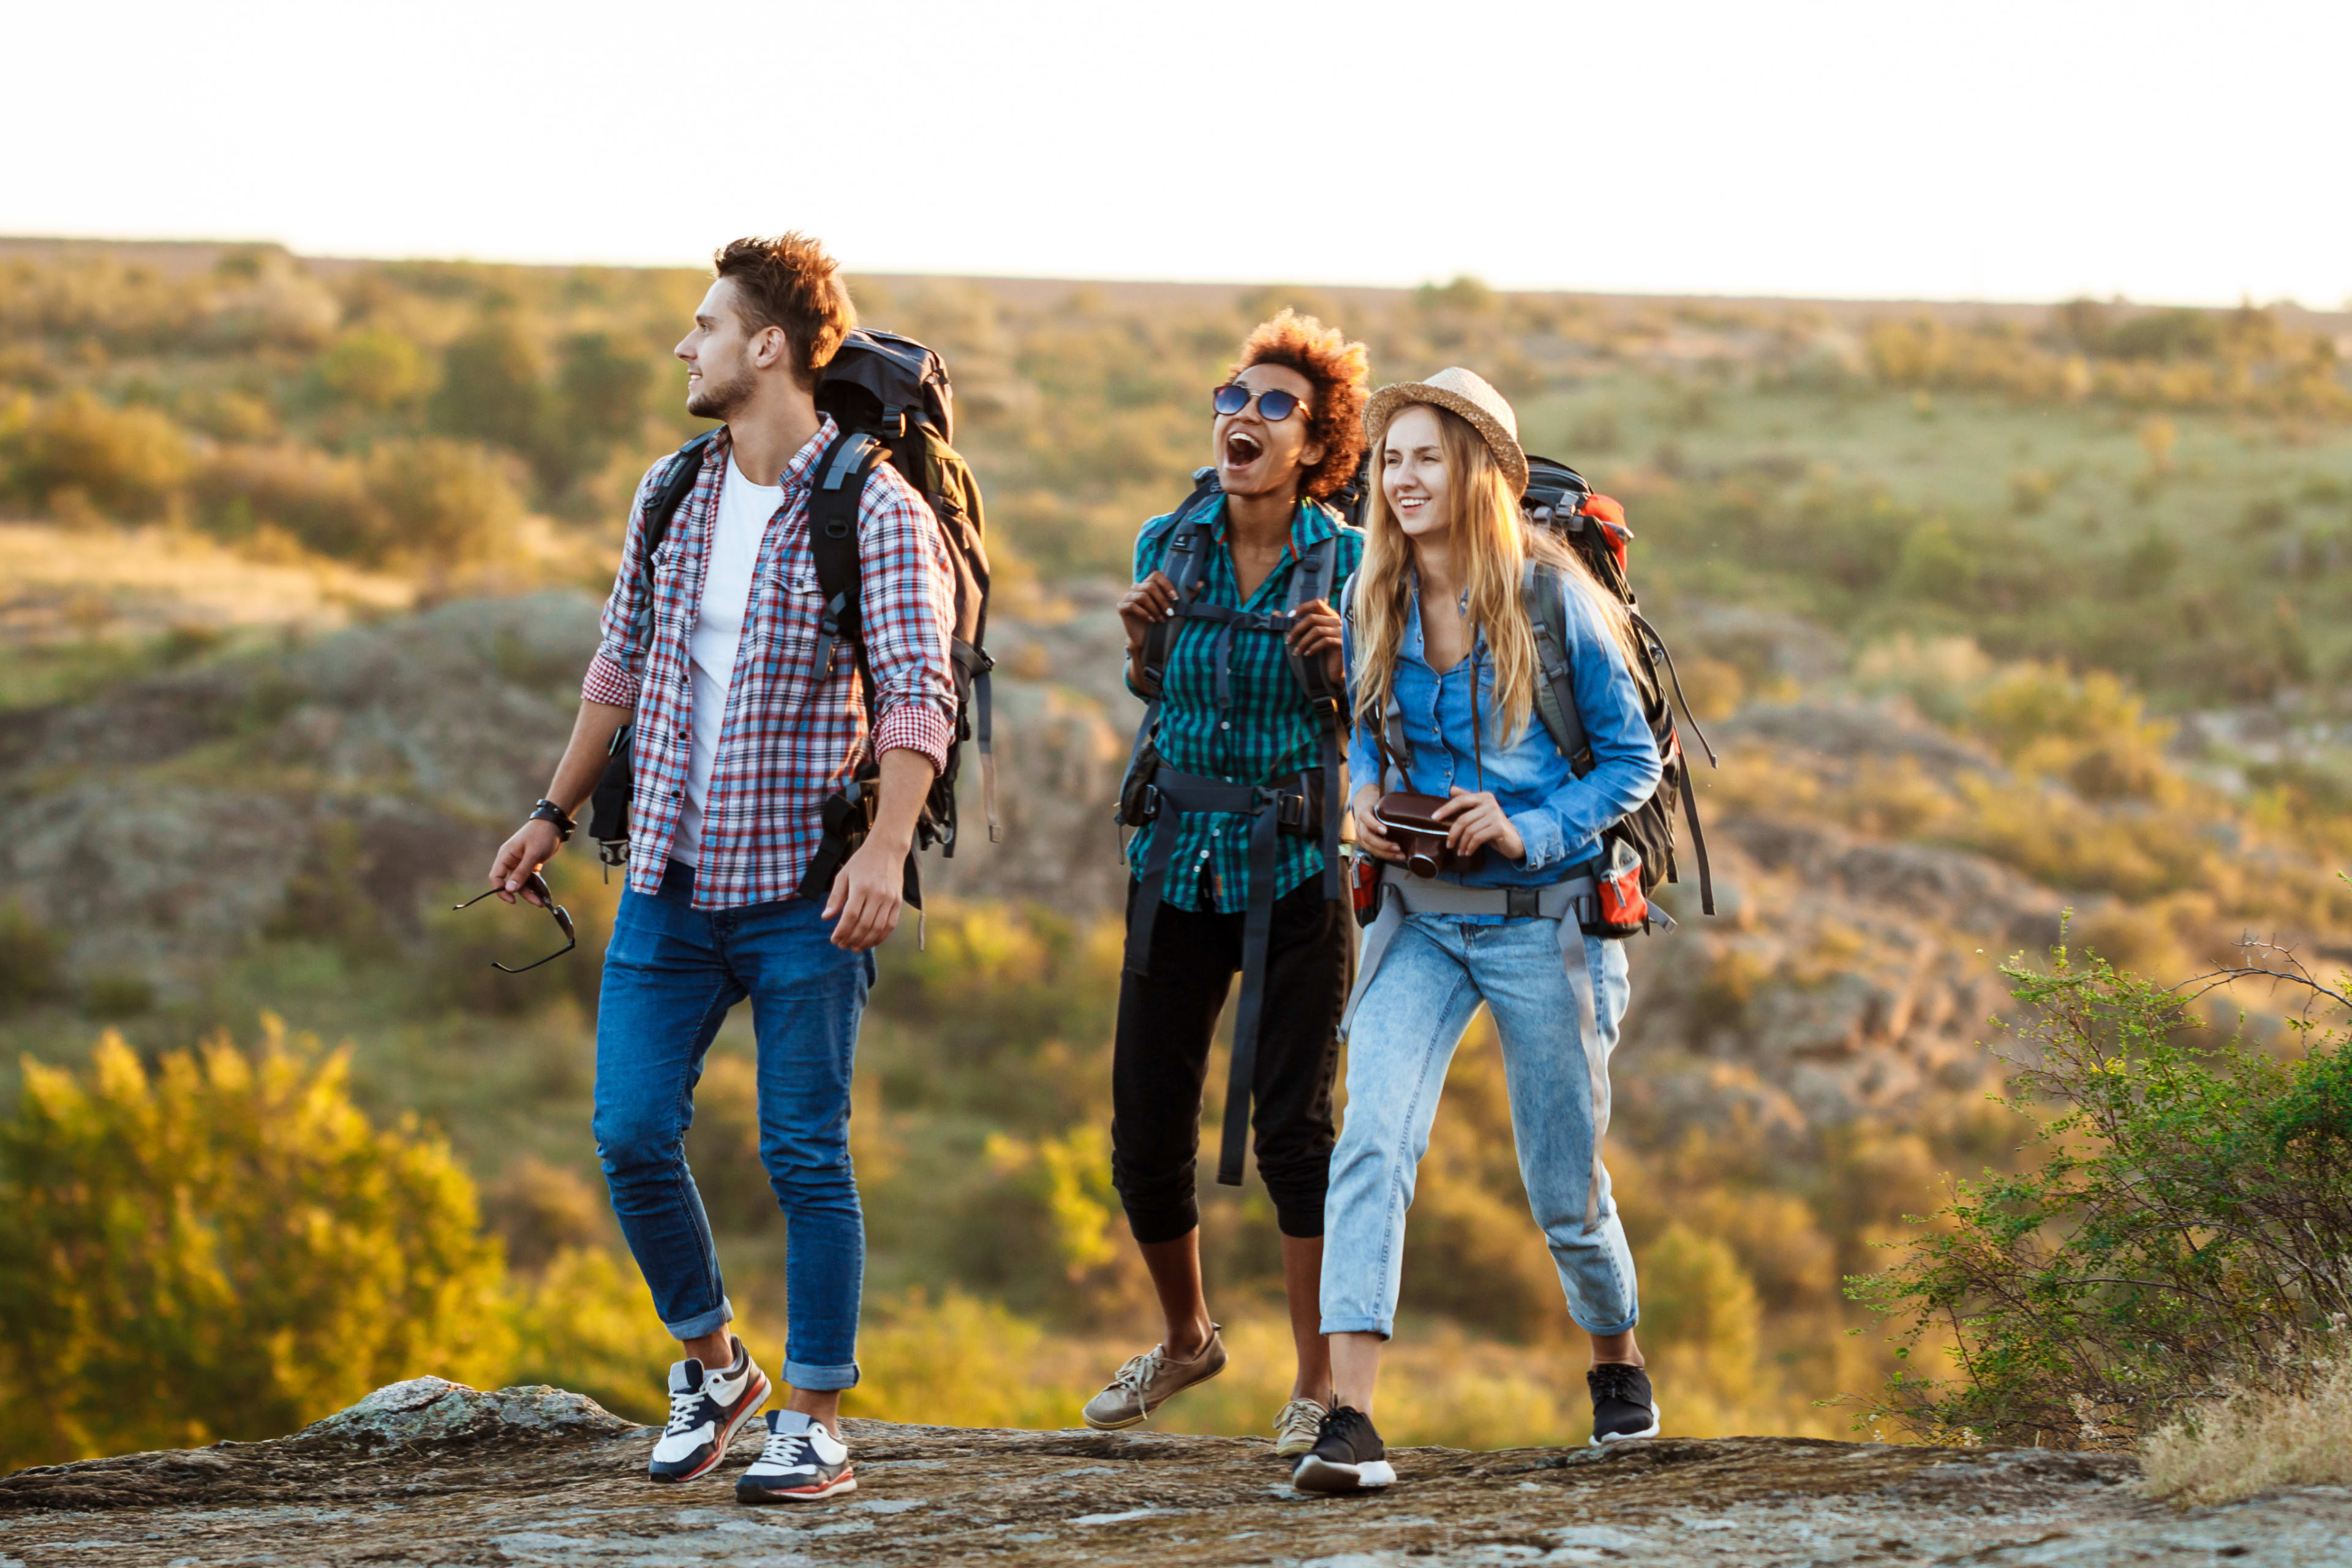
x: 1369, y: 837
x: 1476, y: 820
x: 1146, y: 604
x: 534, y: 844
x: 1316, y: 625
x: 868, y: 892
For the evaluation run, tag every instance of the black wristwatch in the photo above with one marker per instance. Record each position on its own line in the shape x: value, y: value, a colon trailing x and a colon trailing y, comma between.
x: 547, y: 811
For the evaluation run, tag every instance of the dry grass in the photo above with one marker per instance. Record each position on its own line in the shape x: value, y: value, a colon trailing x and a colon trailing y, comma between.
x: 2257, y: 1439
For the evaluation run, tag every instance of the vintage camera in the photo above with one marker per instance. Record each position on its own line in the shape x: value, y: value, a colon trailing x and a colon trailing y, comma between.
x: 1410, y: 821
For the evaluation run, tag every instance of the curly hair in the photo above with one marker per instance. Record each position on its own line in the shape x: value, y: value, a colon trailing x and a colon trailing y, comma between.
x: 1336, y: 367
x: 791, y: 282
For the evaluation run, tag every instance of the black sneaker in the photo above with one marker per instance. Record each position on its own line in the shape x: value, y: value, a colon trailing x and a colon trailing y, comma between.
x: 1346, y: 1456
x: 1623, y: 1405
x: 706, y: 1410
x: 802, y: 1463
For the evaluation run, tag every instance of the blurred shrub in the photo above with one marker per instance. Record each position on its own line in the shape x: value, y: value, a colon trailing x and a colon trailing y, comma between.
x: 376, y: 368
x: 444, y: 501
x: 124, y: 459
x: 231, y: 414
x: 492, y: 387
x: 31, y: 960
x: 586, y: 1323
x: 539, y: 1210
x: 320, y: 500
x: 723, y: 1149
x: 227, y: 1236
x: 955, y: 1361
x: 2089, y: 731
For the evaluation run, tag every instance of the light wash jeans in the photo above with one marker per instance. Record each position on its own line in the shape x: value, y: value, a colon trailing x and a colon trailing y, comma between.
x: 1436, y: 970
x: 671, y: 973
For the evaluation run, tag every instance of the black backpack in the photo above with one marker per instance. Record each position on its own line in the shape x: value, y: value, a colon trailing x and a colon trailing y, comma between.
x: 891, y: 398
x: 1559, y: 500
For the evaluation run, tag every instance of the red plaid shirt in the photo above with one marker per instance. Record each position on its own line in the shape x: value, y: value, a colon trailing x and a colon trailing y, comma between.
x: 789, y: 739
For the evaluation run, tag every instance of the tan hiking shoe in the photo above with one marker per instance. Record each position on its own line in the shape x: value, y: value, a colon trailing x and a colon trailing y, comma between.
x: 1295, y: 1428
x: 1147, y: 1382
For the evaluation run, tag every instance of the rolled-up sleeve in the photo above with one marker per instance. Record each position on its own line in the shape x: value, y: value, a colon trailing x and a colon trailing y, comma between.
x: 617, y: 672
x: 906, y: 605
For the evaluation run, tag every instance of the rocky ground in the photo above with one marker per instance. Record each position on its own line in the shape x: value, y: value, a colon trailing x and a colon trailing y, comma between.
x: 429, y: 1472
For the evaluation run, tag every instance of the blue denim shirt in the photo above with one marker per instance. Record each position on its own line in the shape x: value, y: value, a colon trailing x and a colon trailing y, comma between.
x: 1559, y: 816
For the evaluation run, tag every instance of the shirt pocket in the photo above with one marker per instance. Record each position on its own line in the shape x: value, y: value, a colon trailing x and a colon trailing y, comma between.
x: 784, y: 630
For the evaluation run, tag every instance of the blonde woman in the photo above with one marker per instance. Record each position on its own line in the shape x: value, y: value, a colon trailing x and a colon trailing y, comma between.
x: 1442, y: 669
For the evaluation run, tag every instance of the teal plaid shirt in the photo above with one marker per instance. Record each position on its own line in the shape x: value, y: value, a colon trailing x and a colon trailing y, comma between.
x: 1268, y: 737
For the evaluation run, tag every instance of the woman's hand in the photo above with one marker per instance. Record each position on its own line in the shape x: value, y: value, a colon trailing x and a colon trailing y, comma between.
x: 1369, y: 837
x: 1475, y: 821
x: 1317, y: 626
x: 1145, y: 605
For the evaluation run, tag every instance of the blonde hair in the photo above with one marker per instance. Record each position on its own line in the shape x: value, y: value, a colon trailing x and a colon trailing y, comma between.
x: 1494, y: 544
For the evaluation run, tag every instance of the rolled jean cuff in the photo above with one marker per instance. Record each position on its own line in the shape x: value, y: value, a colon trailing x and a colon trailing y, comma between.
x: 1332, y: 1325
x: 820, y: 1379
x: 703, y: 1324
x: 1625, y: 1327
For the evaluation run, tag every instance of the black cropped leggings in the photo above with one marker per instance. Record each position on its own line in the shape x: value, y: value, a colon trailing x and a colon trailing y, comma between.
x: 1167, y: 1021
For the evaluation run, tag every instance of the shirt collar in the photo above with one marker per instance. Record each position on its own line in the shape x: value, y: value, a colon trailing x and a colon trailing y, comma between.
x: 1311, y: 520
x: 797, y: 471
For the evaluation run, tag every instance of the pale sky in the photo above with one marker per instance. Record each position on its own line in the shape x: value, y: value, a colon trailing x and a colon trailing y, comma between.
x: 1996, y: 150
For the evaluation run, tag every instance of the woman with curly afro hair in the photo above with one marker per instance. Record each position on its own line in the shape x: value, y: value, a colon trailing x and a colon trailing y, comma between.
x: 1232, y: 640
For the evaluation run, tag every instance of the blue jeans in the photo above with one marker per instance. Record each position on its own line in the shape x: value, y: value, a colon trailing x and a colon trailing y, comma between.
x: 671, y: 973
x: 1435, y: 973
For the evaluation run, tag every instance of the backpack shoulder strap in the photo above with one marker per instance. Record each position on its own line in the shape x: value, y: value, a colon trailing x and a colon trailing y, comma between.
x: 1542, y: 592
x: 677, y: 482
x: 1310, y: 581
x: 842, y: 471
x: 1187, y: 556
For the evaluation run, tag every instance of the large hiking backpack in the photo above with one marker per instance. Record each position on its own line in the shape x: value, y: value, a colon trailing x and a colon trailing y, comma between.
x: 890, y: 396
x: 1559, y: 500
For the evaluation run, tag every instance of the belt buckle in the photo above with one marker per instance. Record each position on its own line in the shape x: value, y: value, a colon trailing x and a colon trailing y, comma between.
x: 1290, y: 810
x: 1522, y: 903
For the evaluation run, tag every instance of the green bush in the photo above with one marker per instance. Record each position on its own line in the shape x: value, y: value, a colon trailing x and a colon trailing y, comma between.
x: 221, y: 1246
x: 31, y: 954
x: 122, y: 459
x: 441, y: 500
x: 375, y: 368
x: 2184, y: 1231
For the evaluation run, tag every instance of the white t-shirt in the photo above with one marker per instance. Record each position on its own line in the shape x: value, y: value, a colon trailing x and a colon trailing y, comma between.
x: 744, y: 509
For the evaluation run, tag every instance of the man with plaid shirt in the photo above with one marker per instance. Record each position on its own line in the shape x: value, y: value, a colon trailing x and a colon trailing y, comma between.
x: 710, y: 650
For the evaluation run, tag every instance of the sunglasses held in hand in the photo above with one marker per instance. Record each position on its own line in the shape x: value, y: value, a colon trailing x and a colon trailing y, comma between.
x: 536, y: 885
x: 1273, y: 405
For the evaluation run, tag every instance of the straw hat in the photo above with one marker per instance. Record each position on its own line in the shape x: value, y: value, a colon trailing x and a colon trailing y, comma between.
x: 1464, y: 392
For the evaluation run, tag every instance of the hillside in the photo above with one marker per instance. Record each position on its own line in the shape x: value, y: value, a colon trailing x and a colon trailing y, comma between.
x: 1992, y: 612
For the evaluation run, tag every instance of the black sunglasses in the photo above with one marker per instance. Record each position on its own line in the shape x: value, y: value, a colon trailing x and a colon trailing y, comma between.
x: 538, y: 884
x: 1273, y: 405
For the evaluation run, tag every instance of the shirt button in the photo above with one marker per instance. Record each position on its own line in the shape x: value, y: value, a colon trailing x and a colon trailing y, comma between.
x: 1226, y: 725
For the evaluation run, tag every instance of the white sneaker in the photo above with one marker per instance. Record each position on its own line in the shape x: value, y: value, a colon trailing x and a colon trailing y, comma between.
x: 802, y: 1463
x: 706, y: 1410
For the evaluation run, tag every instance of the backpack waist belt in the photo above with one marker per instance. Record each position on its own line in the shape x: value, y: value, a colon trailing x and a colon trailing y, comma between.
x: 1569, y: 903
x: 1171, y: 796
